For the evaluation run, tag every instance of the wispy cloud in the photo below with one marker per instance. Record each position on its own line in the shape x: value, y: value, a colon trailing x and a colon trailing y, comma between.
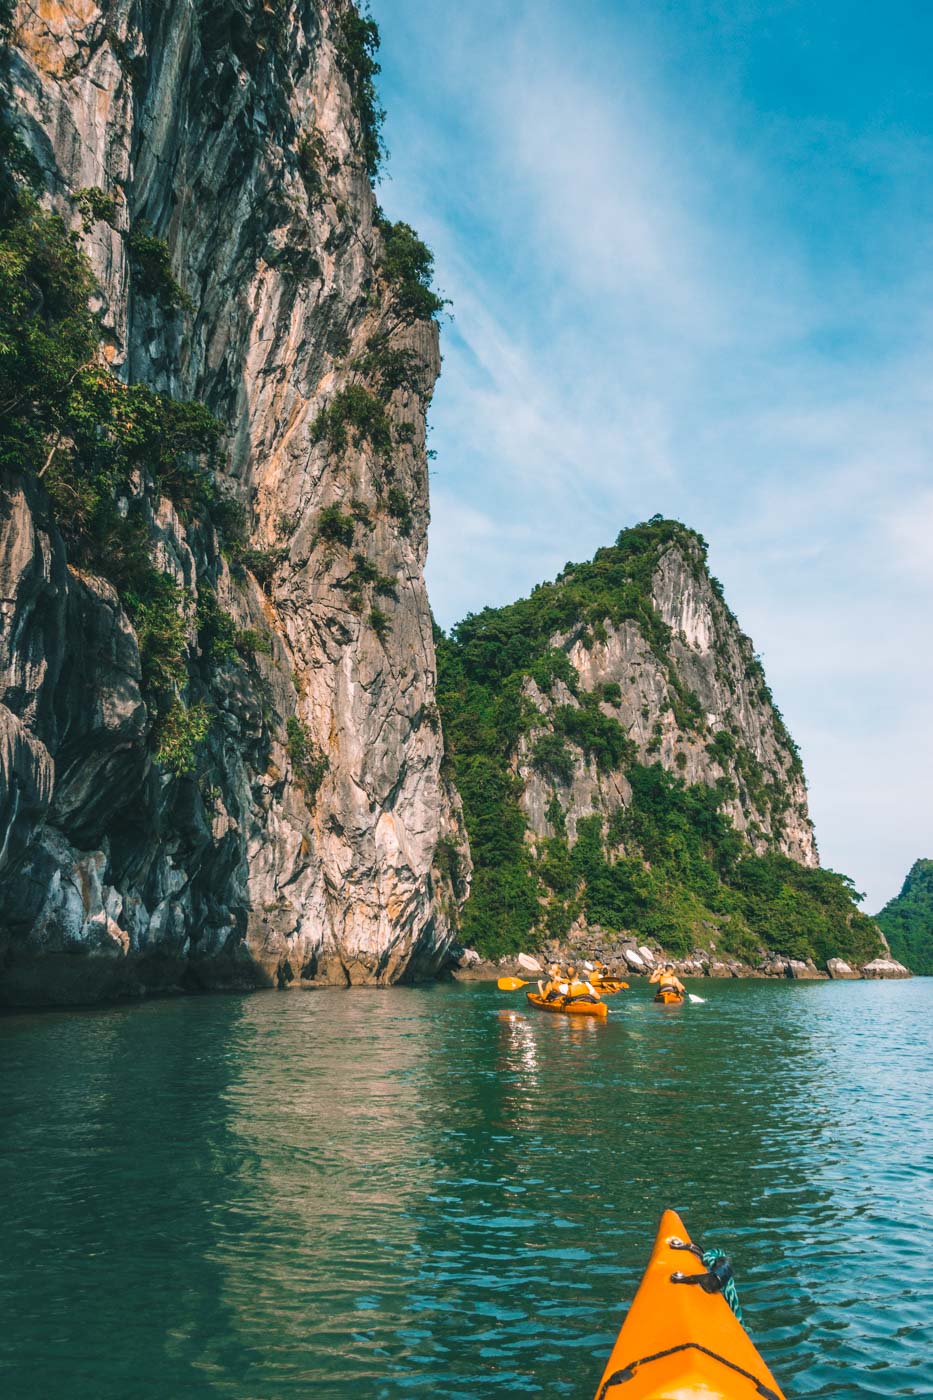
x: 908, y: 533
x: 668, y: 300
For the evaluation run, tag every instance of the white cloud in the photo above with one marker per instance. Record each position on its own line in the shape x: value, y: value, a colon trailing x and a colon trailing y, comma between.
x: 909, y: 532
x: 643, y: 323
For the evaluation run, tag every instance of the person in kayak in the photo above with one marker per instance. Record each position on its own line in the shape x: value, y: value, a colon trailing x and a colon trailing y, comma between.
x: 667, y: 978
x: 556, y: 986
x: 580, y: 991
x: 605, y: 981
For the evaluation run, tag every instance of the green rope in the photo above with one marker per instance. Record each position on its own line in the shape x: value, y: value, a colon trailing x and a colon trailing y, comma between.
x: 730, y: 1292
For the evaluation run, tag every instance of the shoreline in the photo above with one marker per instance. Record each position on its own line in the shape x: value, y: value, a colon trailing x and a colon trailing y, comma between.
x: 467, y: 965
x: 630, y: 960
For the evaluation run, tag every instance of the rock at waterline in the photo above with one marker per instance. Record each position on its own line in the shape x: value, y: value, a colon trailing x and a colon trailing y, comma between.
x: 885, y: 968
x: 840, y: 971
x: 803, y: 971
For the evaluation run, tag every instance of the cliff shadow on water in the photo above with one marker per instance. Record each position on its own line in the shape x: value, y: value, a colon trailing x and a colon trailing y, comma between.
x: 116, y: 1123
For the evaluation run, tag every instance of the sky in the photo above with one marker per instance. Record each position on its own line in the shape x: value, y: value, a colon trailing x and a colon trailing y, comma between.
x: 689, y: 249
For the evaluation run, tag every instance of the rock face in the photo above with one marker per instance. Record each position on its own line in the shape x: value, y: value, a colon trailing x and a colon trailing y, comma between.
x: 884, y: 968
x: 233, y: 132
x: 628, y: 780
x: 733, y: 731
x: 802, y: 971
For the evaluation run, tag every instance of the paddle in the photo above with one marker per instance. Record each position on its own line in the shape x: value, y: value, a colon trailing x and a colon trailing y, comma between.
x: 615, y: 982
x: 512, y: 984
x: 697, y: 1001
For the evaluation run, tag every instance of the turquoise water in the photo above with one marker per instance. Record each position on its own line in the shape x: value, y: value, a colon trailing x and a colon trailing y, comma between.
x: 419, y: 1192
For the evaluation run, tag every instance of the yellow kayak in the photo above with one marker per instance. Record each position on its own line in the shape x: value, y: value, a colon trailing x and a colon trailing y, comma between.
x: 679, y: 1342
x: 669, y: 996
x: 573, y: 1008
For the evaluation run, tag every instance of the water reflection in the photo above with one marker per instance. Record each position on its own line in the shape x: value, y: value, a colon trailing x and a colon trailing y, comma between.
x: 422, y: 1190
x: 113, y: 1154
x: 329, y: 1108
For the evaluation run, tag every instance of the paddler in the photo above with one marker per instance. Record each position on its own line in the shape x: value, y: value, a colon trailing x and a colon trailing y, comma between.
x: 580, y: 991
x: 605, y: 981
x: 667, y: 979
x: 556, y: 986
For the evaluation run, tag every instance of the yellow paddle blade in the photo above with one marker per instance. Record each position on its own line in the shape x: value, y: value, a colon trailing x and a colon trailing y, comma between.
x: 510, y: 984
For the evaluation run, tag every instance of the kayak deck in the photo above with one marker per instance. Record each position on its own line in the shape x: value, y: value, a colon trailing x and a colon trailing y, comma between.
x: 575, y: 1008
x: 680, y: 1343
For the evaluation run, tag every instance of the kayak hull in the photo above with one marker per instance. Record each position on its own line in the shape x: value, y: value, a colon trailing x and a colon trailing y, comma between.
x: 599, y: 1009
x: 679, y: 1343
x: 667, y: 998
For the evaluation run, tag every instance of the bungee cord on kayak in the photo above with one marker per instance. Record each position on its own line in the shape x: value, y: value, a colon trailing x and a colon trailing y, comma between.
x: 718, y: 1279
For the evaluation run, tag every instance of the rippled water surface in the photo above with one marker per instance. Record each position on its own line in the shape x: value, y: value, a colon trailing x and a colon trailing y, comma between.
x: 422, y: 1192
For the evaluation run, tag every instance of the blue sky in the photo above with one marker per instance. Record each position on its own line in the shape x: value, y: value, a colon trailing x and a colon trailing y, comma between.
x: 690, y: 251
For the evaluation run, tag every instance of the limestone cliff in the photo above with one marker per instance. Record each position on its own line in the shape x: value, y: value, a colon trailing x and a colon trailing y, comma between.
x: 289, y: 821
x: 698, y: 705
x: 624, y: 769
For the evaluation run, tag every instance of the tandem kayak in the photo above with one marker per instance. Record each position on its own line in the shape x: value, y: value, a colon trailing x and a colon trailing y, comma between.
x: 573, y: 1008
x: 669, y: 997
x: 679, y: 1342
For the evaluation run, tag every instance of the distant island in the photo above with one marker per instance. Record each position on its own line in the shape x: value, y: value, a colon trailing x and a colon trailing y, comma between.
x: 907, y: 920
x: 624, y: 768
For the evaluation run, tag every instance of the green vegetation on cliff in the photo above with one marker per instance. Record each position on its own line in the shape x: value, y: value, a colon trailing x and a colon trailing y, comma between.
x: 95, y: 449
x: 357, y: 43
x: 669, y: 865
x: 98, y: 453
x: 907, y: 920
